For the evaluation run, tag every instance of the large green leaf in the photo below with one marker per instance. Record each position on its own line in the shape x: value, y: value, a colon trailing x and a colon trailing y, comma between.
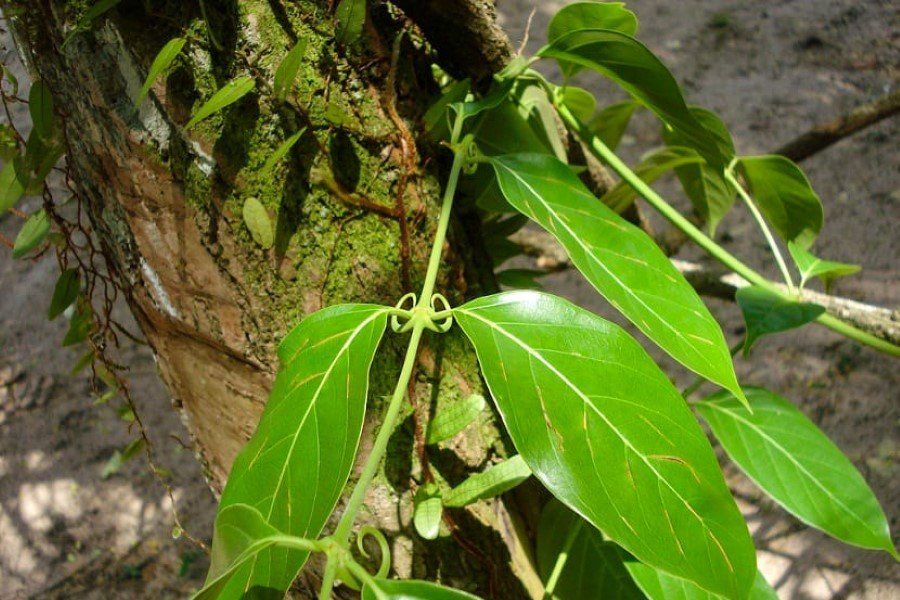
x: 651, y: 167
x: 230, y: 93
x: 295, y: 466
x: 811, y: 265
x: 593, y: 565
x: 766, y: 312
x: 781, y: 450
x: 163, y: 59
x: 662, y: 586
x: 608, y: 434
x: 785, y: 197
x: 412, y: 589
x: 287, y: 70
x: 590, y: 15
x: 620, y: 260
x: 637, y: 70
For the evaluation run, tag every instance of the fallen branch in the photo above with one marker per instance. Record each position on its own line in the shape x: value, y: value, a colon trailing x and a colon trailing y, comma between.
x: 883, y: 323
x: 825, y: 134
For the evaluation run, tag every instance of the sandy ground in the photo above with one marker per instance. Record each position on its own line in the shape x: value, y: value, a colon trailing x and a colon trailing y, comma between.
x: 770, y: 68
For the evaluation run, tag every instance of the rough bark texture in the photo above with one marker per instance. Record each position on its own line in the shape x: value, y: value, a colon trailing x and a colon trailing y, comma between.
x: 166, y: 205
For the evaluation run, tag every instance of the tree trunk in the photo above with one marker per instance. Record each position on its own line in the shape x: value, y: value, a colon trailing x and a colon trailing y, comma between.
x: 355, y: 203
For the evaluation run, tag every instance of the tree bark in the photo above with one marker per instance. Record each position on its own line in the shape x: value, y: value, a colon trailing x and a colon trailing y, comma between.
x: 355, y: 202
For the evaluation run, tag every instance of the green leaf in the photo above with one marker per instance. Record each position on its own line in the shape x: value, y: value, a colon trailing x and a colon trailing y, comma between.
x: 287, y: 70
x: 651, y: 167
x: 609, y: 435
x: 499, y: 91
x: 766, y: 312
x: 813, y: 266
x: 351, y: 17
x: 79, y: 326
x: 520, y: 278
x: 436, y: 118
x: 786, y: 455
x: 580, y: 101
x: 281, y: 151
x: 412, y: 589
x: 620, y: 261
x: 637, y: 70
x: 89, y: 16
x: 611, y: 122
x: 658, y: 585
x: 257, y: 220
x: 33, y: 232
x: 454, y: 418
x: 40, y: 105
x: 592, y: 563
x: 230, y: 93
x: 492, y: 482
x: 427, y: 512
x: 65, y: 292
x: 294, y: 468
x: 590, y: 15
x: 162, y: 61
x: 11, y: 188
x: 785, y: 197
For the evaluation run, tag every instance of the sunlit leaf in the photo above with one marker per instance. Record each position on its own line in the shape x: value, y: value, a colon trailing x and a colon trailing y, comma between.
x: 11, y: 188
x: 230, y: 93
x: 454, y: 418
x: 785, y: 197
x: 590, y: 15
x: 786, y: 455
x: 351, y: 17
x: 287, y: 70
x: 766, y: 312
x: 620, y: 261
x: 257, y: 220
x: 33, y: 232
x: 294, y: 468
x: 580, y: 101
x: 427, y: 512
x: 651, y: 167
x: 492, y: 482
x: 593, y: 565
x: 658, y: 585
x: 603, y: 428
x: 812, y: 266
x: 163, y: 59
x: 411, y: 589
x: 65, y: 292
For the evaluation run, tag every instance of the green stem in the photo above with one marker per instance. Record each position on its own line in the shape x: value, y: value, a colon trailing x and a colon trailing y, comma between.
x: 328, y: 579
x: 561, y: 560
x: 601, y: 151
x: 754, y: 210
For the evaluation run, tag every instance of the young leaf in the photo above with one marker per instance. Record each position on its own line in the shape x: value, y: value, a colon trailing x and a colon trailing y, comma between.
x: 494, y: 481
x: 40, y: 105
x: 257, y: 220
x: 64, y: 293
x: 766, y: 312
x: 33, y: 232
x: 620, y: 261
x: 11, y: 187
x: 580, y: 101
x: 351, y: 17
x: 591, y: 15
x: 453, y: 419
x: 785, y: 197
x: 637, y: 70
x: 288, y: 69
x: 316, y: 404
x: 592, y: 563
x: 89, y: 16
x: 162, y: 61
x: 609, y: 435
x: 813, y: 266
x: 427, y: 512
x: 412, y: 589
x: 281, y: 151
x: 230, y: 93
x: 658, y: 585
x: 611, y: 122
x: 651, y: 167
x: 786, y: 455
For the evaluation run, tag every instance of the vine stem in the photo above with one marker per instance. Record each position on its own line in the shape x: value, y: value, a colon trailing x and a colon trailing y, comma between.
x: 420, y: 320
x: 754, y: 210
x: 561, y: 560
x: 601, y: 151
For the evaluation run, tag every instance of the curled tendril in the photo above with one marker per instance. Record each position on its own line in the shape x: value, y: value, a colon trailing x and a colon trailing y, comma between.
x: 382, y: 542
x: 447, y: 323
x: 396, y: 325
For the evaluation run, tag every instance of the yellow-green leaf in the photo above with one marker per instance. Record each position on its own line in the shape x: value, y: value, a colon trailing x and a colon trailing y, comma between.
x: 230, y: 93
x: 163, y: 59
x: 257, y: 220
x: 287, y: 70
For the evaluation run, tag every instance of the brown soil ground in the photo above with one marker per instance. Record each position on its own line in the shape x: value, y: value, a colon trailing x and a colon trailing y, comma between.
x: 770, y: 68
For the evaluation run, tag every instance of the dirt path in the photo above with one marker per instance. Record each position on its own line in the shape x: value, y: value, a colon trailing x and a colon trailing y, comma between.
x: 770, y: 68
